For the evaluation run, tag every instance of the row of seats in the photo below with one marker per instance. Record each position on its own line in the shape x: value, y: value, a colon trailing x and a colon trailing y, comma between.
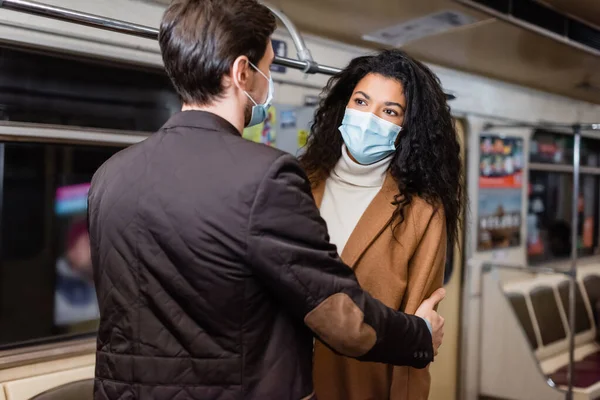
x: 78, y: 390
x: 542, y: 308
x: 70, y: 384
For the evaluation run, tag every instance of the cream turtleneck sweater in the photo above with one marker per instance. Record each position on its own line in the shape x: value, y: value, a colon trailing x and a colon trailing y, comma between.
x: 349, y: 190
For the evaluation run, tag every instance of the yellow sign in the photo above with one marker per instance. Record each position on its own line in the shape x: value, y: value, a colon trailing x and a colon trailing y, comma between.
x: 265, y: 132
x: 253, y: 133
x: 302, y: 138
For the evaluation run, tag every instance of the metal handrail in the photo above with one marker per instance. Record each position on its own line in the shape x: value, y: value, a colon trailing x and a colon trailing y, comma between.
x: 305, y: 63
x: 301, y: 50
x: 487, y: 266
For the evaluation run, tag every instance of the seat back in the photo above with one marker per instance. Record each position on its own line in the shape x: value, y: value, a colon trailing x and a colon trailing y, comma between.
x: 70, y: 383
x: 547, y: 315
x: 541, y: 303
x: 591, y: 284
x: 519, y: 305
x: 78, y: 390
x: 582, y: 317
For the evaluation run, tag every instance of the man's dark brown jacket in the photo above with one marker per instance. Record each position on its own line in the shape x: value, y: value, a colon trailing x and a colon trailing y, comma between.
x: 214, y: 271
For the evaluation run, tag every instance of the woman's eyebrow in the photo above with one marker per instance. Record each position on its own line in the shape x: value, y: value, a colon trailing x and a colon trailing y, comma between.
x: 392, y: 103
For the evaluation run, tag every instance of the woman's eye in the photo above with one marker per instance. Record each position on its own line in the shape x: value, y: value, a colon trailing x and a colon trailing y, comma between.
x: 391, y: 113
x: 360, y: 102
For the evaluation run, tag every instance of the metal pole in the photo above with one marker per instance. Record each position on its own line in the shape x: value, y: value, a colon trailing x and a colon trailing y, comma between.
x: 128, y: 28
x: 302, y: 51
x: 524, y: 268
x: 543, y: 125
x: 63, y: 14
x: 305, y: 64
x: 574, y: 248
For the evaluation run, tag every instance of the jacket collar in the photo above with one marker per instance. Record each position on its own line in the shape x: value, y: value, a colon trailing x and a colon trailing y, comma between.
x: 375, y: 219
x: 202, y: 120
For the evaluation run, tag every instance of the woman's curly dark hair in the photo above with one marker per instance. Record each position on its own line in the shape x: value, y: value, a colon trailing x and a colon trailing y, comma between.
x: 427, y: 161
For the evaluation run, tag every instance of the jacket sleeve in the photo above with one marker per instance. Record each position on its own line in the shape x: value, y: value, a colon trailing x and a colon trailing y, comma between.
x: 288, y: 248
x: 425, y: 276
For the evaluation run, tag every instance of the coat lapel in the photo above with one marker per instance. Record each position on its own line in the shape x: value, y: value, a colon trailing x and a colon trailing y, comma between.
x: 374, y: 220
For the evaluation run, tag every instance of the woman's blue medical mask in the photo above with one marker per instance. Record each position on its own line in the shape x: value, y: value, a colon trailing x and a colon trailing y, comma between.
x: 260, y: 111
x: 368, y: 137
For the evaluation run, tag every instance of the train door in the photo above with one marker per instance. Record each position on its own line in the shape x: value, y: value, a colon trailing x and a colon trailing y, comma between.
x: 444, y: 377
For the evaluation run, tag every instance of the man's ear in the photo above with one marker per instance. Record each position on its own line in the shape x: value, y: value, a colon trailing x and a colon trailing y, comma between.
x: 240, y: 75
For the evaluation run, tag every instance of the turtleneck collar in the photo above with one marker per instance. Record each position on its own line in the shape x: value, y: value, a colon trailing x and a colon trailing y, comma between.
x: 351, y: 173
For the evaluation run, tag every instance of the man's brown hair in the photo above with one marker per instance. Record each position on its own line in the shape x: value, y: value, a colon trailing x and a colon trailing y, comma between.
x: 201, y: 39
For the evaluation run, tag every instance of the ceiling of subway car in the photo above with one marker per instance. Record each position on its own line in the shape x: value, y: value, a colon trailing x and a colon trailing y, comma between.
x: 482, y: 44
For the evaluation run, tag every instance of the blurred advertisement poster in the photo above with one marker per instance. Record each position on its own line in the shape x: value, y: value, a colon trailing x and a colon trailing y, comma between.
x: 501, y: 162
x: 500, y: 192
x: 75, y: 296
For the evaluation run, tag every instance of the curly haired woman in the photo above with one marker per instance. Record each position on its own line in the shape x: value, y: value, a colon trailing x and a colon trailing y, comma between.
x: 384, y: 161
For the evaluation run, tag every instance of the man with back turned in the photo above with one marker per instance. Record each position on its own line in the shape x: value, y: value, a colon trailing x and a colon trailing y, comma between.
x: 213, y: 267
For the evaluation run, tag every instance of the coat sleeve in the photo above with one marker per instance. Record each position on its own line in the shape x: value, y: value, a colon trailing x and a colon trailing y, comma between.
x: 288, y: 248
x: 425, y: 276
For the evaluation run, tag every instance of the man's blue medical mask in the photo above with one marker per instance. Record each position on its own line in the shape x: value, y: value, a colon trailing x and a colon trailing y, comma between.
x: 368, y: 138
x: 260, y: 111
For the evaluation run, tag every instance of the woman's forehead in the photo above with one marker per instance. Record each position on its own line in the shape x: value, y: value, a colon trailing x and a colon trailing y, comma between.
x: 381, y: 88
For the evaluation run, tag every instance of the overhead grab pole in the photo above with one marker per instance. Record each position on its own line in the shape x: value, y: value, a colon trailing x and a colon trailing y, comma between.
x: 301, y: 50
x: 64, y: 14
x: 545, y: 125
x: 305, y: 63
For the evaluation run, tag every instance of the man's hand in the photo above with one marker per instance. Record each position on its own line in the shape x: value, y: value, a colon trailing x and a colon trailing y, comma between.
x: 426, y: 310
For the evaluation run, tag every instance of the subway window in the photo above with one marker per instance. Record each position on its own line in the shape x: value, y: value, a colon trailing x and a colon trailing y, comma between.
x: 49, y: 89
x: 551, y: 197
x: 45, y: 266
x: 46, y: 285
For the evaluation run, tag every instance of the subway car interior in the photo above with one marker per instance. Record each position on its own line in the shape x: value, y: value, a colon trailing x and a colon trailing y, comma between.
x: 81, y: 80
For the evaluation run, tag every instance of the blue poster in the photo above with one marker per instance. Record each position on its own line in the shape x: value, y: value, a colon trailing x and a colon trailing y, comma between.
x: 288, y: 119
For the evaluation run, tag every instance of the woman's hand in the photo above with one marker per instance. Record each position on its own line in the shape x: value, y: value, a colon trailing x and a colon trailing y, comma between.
x: 427, y: 311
